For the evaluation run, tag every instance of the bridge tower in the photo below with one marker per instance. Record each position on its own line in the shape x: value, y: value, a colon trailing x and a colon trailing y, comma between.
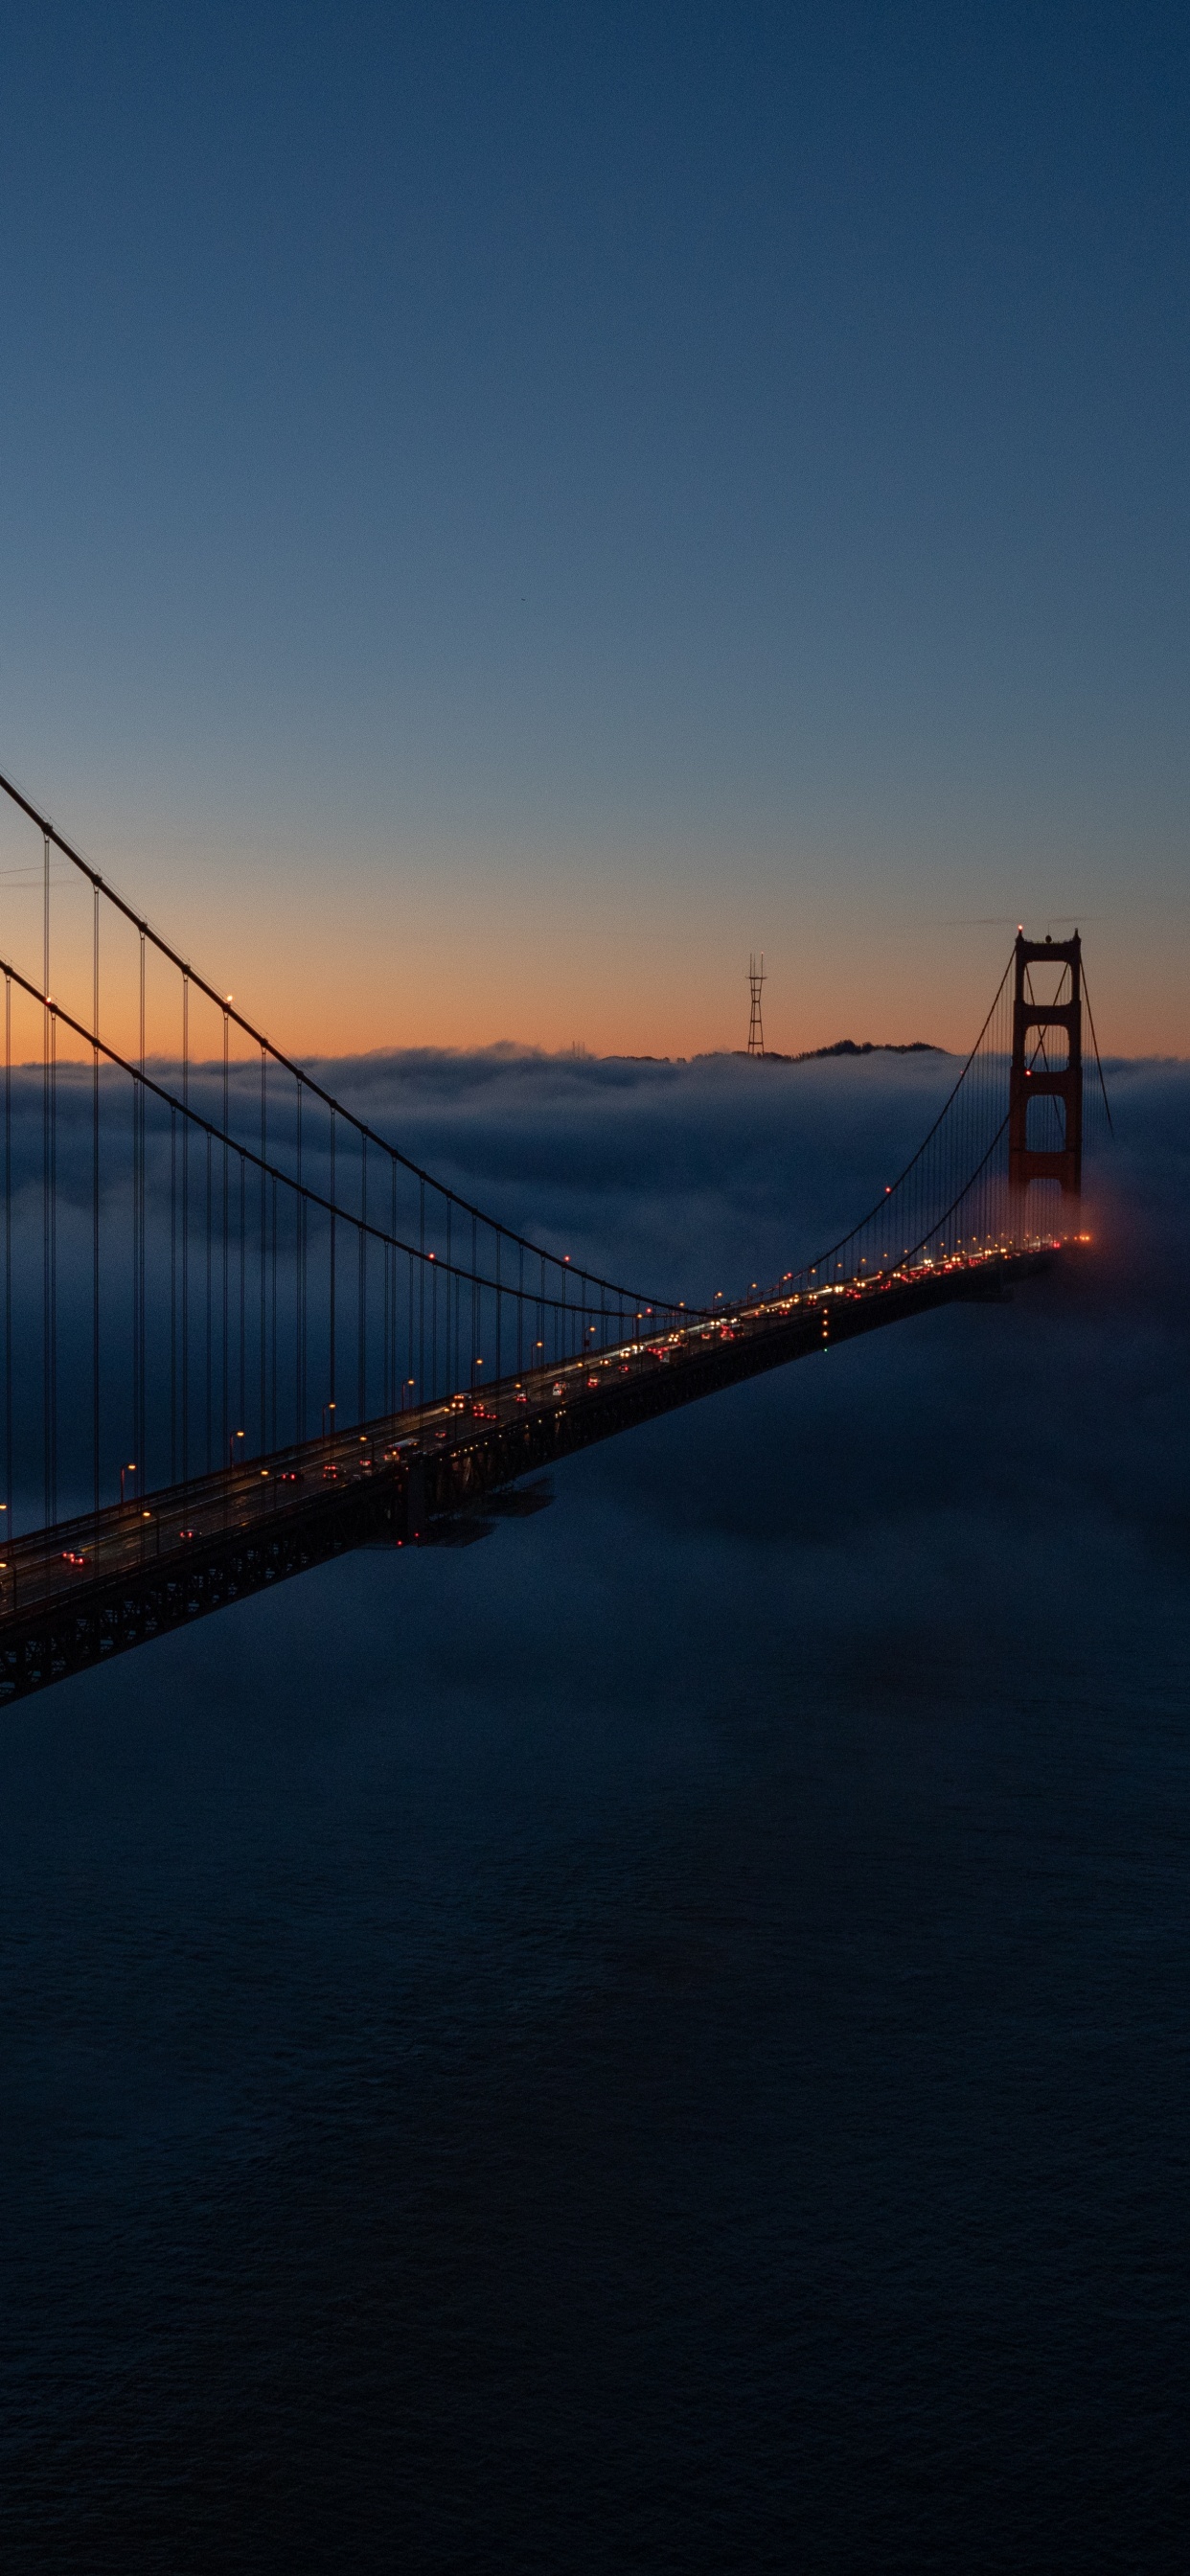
x: 1030, y: 1079
x: 756, y: 977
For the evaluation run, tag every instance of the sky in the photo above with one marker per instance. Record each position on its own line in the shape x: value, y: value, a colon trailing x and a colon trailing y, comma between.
x: 505, y: 511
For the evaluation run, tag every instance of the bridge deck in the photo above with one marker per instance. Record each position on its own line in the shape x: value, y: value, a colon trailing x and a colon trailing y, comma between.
x: 74, y: 1595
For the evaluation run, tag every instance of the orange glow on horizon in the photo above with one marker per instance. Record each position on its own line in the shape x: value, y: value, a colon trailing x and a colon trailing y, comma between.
x: 328, y: 966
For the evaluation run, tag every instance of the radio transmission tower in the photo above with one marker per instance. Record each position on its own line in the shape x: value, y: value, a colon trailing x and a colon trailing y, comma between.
x: 755, y: 1024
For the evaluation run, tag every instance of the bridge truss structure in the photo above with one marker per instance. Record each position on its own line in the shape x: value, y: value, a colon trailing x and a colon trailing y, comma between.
x: 244, y: 1331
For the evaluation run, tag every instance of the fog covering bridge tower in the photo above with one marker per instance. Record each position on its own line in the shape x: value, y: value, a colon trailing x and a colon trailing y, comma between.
x: 1036, y: 1074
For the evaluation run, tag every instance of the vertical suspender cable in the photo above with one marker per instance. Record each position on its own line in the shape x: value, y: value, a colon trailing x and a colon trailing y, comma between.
x: 224, y: 1353
x: 408, y: 1380
x: 242, y: 1425
x: 95, y: 1205
x: 264, y: 1062
x: 451, y: 1309
x: 385, y: 1405
x: 173, y: 1294
x: 208, y: 1389
x: 138, y: 1251
x: 1098, y: 1061
x: 9, y: 1531
x: 135, y: 1232
x: 387, y: 1397
x: 299, y: 1287
x: 53, y: 1265
x: 392, y: 1230
x: 45, y: 1193
x: 49, y: 1217
x: 334, y: 1209
x: 185, y: 1230
x: 273, y: 1305
x: 362, y: 1323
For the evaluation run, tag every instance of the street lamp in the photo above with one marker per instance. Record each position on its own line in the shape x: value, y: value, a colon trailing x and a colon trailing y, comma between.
x: 129, y: 1470
x: 231, y: 1448
x: 327, y: 1408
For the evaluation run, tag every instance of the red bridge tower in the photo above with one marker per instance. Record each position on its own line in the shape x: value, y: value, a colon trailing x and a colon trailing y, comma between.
x: 1034, y: 1074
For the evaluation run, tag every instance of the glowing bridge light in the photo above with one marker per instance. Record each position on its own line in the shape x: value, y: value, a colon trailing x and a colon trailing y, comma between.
x: 288, y: 1246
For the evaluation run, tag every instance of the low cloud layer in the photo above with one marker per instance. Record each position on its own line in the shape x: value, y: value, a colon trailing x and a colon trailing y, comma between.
x: 694, y: 1177
x: 773, y: 1855
x: 690, y: 1176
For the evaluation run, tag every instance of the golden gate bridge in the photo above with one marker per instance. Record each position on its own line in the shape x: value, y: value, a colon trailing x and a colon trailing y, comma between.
x: 244, y: 1332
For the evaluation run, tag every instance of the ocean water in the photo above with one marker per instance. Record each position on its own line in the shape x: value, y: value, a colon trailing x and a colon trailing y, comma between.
x: 658, y: 2042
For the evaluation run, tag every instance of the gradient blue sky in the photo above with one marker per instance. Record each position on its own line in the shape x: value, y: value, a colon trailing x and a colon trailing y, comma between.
x: 506, y: 508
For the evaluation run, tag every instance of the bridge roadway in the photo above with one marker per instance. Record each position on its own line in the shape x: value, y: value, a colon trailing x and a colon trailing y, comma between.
x: 76, y: 1594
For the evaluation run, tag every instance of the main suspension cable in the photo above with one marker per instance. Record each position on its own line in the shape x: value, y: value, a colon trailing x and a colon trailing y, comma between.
x: 298, y: 1072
